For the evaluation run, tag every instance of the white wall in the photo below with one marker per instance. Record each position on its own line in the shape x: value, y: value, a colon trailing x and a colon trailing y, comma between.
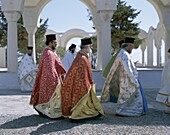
x: 150, y: 78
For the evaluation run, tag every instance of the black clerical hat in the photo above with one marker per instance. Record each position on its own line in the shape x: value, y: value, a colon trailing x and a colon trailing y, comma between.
x: 50, y: 37
x: 30, y: 48
x: 126, y: 41
x: 129, y: 40
x: 86, y: 41
x: 73, y: 46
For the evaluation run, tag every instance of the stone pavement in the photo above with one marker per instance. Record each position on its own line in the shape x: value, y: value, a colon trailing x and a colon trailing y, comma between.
x: 17, y: 117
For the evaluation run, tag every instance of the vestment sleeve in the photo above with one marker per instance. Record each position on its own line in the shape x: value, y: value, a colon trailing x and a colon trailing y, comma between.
x: 128, y: 66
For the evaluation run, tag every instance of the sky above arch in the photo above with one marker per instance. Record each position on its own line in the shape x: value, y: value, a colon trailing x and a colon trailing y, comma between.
x: 66, y: 14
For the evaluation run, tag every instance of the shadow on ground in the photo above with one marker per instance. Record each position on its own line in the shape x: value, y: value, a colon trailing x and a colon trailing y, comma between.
x: 45, y: 125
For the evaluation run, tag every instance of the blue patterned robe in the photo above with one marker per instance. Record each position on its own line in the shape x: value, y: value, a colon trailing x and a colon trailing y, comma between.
x: 122, y: 86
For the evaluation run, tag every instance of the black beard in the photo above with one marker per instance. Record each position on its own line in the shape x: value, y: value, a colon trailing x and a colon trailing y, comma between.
x: 129, y: 52
x: 72, y: 51
x: 53, y: 48
x: 29, y: 54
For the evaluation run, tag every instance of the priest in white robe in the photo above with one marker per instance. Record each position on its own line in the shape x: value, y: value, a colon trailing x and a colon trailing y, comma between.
x: 69, y: 57
x: 27, y: 71
x: 122, y: 86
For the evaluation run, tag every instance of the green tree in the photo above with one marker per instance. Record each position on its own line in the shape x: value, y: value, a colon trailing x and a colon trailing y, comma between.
x: 40, y: 38
x: 122, y: 24
x: 60, y: 51
x: 3, y: 29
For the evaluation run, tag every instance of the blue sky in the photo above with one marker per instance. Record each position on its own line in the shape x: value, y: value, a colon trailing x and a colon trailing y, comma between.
x: 67, y: 14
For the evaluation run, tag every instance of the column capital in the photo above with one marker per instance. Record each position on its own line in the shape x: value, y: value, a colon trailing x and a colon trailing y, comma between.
x: 12, y: 16
x: 31, y: 29
x: 109, y: 5
x: 12, y: 5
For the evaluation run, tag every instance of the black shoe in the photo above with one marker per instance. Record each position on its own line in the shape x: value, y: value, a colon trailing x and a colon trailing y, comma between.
x: 98, y: 116
x: 77, y: 120
x: 120, y: 115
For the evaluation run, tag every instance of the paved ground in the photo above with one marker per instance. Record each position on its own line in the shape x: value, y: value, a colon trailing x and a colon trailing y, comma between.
x: 18, y: 118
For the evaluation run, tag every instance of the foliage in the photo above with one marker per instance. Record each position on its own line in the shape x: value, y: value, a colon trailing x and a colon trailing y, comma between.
x: 94, y: 41
x: 60, y: 52
x: 3, y: 29
x: 40, y: 38
x: 122, y: 25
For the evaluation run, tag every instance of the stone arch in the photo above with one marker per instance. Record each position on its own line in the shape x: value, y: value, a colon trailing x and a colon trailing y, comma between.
x: 71, y: 34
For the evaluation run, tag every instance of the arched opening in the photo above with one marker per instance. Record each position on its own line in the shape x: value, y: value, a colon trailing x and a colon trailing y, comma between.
x: 145, y: 23
x: 76, y: 41
x: 71, y: 24
x: 67, y: 17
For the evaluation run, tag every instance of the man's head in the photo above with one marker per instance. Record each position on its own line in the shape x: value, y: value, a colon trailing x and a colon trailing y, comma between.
x: 86, y: 44
x: 128, y: 44
x: 51, y: 41
x: 72, y: 48
x: 30, y: 49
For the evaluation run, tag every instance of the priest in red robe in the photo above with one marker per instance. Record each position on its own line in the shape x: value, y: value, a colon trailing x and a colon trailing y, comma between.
x: 79, y: 100
x: 46, y: 96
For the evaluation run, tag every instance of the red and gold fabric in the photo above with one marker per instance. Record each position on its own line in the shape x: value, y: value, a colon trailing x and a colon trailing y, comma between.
x: 77, y: 88
x: 48, y: 77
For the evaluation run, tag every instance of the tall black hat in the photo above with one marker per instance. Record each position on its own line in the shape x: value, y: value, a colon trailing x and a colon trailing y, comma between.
x: 127, y: 40
x: 30, y: 48
x: 50, y: 37
x: 86, y: 41
x: 73, y: 46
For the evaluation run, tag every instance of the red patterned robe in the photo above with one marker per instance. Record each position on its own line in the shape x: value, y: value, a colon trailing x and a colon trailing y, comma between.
x: 49, y: 71
x: 77, y: 86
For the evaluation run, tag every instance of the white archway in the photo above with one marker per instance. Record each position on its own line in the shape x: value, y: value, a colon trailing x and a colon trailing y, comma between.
x: 72, y: 34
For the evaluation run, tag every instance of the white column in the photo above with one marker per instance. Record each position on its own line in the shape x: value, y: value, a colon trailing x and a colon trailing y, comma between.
x: 31, y: 22
x: 98, y: 26
x: 143, y: 58
x: 150, y: 55
x: 31, y: 42
x: 143, y: 48
x: 158, y: 57
x: 167, y: 41
x: 12, y: 41
x: 99, y: 49
x: 105, y: 37
x: 150, y: 42
x: 31, y: 39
